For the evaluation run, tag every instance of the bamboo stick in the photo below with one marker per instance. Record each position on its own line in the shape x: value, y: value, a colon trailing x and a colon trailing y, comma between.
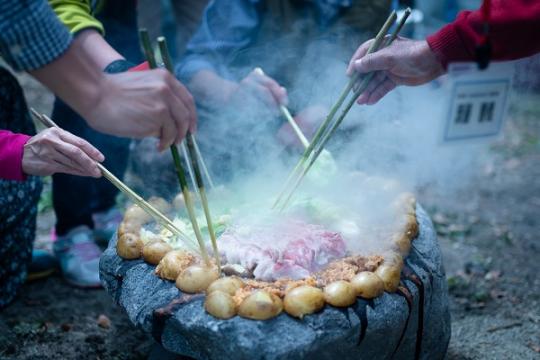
x: 162, y: 43
x: 324, y: 126
x: 189, y: 167
x: 137, y: 199
x: 204, y: 200
x: 361, y: 88
x: 145, y: 42
x: 202, y: 163
x: 147, y: 48
x: 287, y: 115
x: 152, y: 64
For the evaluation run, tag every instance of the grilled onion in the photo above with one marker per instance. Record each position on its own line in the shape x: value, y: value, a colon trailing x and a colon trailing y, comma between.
x: 136, y: 215
x: 173, y: 263
x: 390, y: 275
x: 129, y: 227
x: 402, y: 243
x: 155, y: 250
x: 367, y: 285
x: 303, y: 300
x: 260, y: 305
x: 411, y: 227
x: 340, y: 294
x: 228, y: 285
x: 220, y: 305
x: 129, y: 246
x: 196, y: 278
x: 160, y: 204
x: 179, y: 202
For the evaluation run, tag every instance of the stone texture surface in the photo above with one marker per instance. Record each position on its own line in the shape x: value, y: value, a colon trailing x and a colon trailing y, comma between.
x: 412, y: 323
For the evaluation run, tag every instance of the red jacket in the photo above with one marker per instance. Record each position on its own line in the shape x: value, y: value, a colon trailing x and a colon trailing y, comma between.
x: 514, y: 32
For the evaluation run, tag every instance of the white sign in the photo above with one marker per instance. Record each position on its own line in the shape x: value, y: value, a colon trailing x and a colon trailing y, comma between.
x: 478, y: 100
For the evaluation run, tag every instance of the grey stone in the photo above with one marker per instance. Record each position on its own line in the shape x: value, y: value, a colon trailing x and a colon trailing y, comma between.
x: 390, y: 326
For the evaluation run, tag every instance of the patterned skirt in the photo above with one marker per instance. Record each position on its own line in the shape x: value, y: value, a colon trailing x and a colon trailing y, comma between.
x: 18, y: 199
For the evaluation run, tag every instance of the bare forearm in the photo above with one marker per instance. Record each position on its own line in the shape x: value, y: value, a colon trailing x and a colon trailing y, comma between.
x: 210, y: 89
x: 74, y: 77
x: 94, y: 46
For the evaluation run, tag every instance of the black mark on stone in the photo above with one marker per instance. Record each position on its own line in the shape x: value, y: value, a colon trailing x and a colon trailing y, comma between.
x: 402, y: 290
x: 412, y: 276
x: 161, y: 315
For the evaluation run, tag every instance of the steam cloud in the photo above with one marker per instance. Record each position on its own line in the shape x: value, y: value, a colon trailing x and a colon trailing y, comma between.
x: 381, y: 150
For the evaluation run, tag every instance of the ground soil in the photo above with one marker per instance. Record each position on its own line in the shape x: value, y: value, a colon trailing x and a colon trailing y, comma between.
x: 488, y: 234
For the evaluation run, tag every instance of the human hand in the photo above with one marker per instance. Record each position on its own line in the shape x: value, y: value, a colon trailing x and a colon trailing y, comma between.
x: 308, y: 120
x: 405, y: 62
x: 145, y: 103
x: 57, y: 151
x: 263, y: 87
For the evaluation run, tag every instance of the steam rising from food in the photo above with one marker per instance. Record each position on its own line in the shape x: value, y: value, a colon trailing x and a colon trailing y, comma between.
x: 345, y: 231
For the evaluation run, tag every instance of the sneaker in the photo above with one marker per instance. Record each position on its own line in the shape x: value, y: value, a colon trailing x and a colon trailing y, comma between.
x: 105, y: 224
x: 79, y: 255
x: 43, y: 265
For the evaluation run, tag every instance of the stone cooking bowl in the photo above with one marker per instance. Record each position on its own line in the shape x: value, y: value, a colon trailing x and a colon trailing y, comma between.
x: 413, y: 323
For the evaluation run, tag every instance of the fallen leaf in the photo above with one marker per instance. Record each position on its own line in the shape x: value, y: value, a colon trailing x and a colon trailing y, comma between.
x: 103, y: 321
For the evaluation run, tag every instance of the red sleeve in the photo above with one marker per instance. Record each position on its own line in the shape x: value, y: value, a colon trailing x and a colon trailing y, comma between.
x: 11, y: 153
x: 514, y: 32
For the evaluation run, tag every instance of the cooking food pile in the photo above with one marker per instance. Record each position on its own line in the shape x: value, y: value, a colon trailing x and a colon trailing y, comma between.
x: 296, y: 262
x: 298, y: 254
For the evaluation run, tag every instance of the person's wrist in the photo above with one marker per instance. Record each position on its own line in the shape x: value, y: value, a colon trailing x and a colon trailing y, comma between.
x: 436, y: 67
x: 26, y: 160
x: 428, y: 53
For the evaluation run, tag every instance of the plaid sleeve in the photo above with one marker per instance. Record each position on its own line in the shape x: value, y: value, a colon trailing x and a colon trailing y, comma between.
x: 31, y: 35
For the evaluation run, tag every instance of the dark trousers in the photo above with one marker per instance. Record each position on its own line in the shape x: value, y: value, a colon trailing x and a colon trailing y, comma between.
x: 75, y: 199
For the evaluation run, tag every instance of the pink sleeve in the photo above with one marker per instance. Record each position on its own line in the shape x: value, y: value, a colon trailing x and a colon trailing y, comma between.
x: 11, y: 153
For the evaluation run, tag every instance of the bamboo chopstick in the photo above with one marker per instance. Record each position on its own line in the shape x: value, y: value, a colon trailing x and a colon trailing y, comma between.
x: 193, y: 155
x: 287, y: 115
x: 202, y: 163
x: 361, y: 88
x: 145, y: 42
x: 137, y: 199
x: 324, y: 126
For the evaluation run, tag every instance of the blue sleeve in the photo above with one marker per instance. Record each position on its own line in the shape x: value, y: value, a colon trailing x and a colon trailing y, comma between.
x: 227, y: 26
x: 31, y: 35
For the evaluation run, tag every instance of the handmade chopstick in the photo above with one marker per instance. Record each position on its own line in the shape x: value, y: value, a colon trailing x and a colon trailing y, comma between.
x: 202, y: 163
x: 147, y: 48
x: 287, y: 115
x: 152, y: 64
x: 188, y: 165
x: 361, y: 88
x: 166, y: 57
x: 145, y: 42
x: 137, y: 199
x: 324, y: 126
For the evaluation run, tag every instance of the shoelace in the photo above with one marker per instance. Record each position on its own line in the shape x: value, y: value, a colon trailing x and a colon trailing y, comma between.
x: 85, y: 250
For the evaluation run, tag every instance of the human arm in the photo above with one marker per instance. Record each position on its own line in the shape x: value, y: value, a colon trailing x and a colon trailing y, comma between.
x: 226, y: 28
x: 408, y: 62
x: 78, y: 17
x: 147, y: 103
x: 49, y: 152
x: 139, y: 104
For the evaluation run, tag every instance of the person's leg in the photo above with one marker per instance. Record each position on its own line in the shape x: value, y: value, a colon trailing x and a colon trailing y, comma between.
x: 18, y: 199
x: 76, y: 199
